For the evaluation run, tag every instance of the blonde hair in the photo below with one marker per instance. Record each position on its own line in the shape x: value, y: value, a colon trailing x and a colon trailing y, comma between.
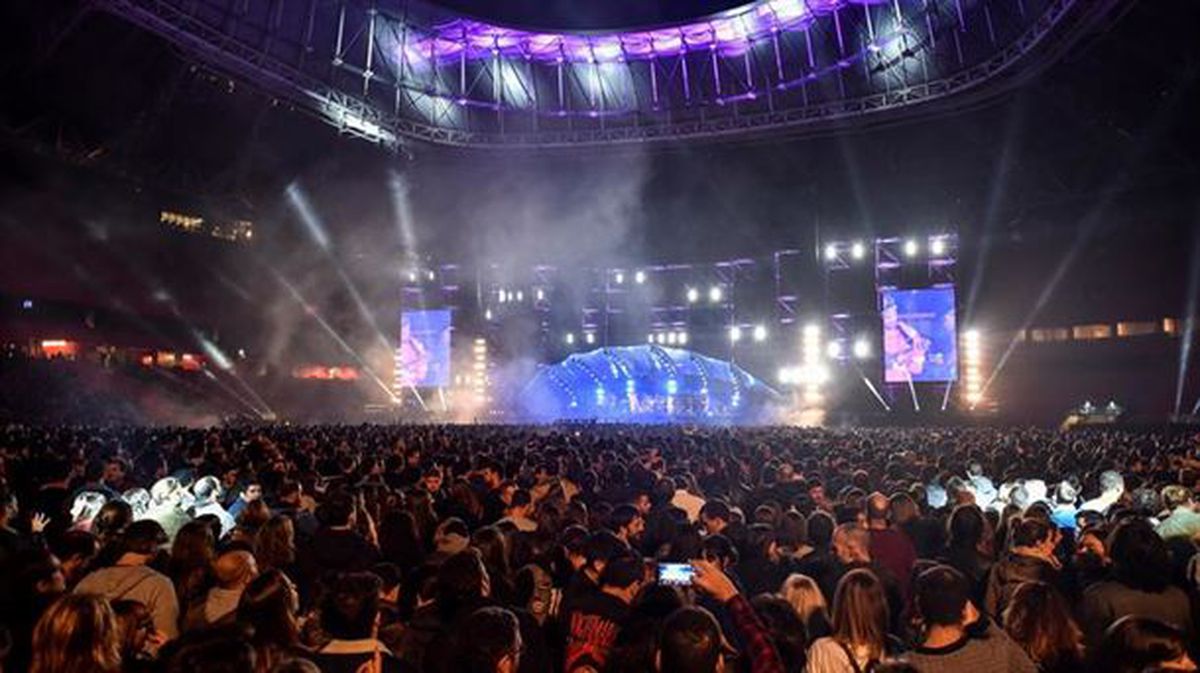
x: 860, y: 613
x: 77, y: 634
x: 803, y: 594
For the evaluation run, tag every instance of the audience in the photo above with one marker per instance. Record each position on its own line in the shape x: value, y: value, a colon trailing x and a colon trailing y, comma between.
x: 523, y: 550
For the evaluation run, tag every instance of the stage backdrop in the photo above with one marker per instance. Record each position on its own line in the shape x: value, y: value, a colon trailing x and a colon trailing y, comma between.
x: 920, y: 339
x: 423, y: 358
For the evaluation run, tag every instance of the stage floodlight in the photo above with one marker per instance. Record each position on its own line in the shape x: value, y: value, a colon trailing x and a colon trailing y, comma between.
x: 590, y: 338
x: 735, y: 334
x: 650, y: 338
x: 715, y: 294
x: 862, y: 348
x: 540, y: 294
x: 785, y: 375
x: 812, y: 330
x: 412, y: 276
x: 661, y: 338
x: 858, y: 250
x: 520, y: 295
x: 639, y: 277
x: 830, y: 252
x: 937, y: 246
x: 619, y: 277
x: 834, y: 350
x: 431, y: 275
x: 683, y: 338
x: 693, y: 295
x: 911, y: 248
x: 971, y: 336
x: 503, y: 297
x: 487, y: 315
x: 671, y: 338
x: 760, y: 333
x: 570, y: 338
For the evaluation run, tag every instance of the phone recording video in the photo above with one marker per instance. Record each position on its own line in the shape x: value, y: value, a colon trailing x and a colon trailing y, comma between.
x: 676, y: 574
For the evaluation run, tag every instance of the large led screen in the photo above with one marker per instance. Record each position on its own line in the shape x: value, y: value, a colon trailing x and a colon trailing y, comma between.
x: 423, y: 358
x: 920, y: 340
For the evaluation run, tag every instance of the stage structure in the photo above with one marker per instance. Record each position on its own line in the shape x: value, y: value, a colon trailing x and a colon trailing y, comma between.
x: 860, y: 326
x: 392, y: 71
x: 647, y: 384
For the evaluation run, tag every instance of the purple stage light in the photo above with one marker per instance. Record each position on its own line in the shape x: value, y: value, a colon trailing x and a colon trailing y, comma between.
x: 728, y: 32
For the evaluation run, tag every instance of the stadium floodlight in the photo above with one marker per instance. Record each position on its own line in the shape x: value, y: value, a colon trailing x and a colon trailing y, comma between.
x: 570, y: 338
x: 937, y: 246
x: 760, y: 332
x: 858, y: 250
x: 693, y: 295
x: 862, y: 348
x: 619, y: 277
x: 834, y: 350
x: 639, y: 277
x: 735, y: 334
x: 830, y: 252
x: 911, y: 247
x: 715, y: 294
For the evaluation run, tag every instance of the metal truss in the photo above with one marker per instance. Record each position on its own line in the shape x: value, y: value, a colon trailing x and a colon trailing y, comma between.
x: 360, y: 66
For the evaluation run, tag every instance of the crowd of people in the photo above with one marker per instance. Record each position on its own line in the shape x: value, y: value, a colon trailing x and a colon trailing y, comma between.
x: 448, y: 549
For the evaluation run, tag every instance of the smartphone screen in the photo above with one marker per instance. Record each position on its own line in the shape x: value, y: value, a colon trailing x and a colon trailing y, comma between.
x: 676, y: 574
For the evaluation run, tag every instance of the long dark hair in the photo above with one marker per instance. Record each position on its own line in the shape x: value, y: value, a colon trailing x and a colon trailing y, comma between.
x: 1140, y: 557
x: 268, y: 608
x: 1040, y: 621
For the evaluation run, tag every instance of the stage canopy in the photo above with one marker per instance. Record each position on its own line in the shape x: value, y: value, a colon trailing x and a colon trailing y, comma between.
x: 647, y: 384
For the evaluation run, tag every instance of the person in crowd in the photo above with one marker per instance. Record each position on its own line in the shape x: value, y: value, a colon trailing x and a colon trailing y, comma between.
x: 349, y: 615
x: 890, y: 548
x: 966, y: 530
x: 1140, y: 584
x: 852, y: 545
x: 519, y: 511
x: 596, y: 618
x: 190, y: 564
x: 138, y: 638
x: 859, y: 636
x: 207, y: 494
x: 821, y: 563
x: 1183, y: 520
x: 1066, y: 497
x: 1112, y: 488
x: 77, y: 634
x: 131, y: 577
x: 269, y: 607
x: 1031, y: 559
x: 275, y: 545
x: 785, y: 628
x: 337, y: 546
x: 715, y: 517
x: 248, y: 493
x: 806, y: 599
x: 490, y: 642
x: 1039, y: 620
x: 636, y: 645
x: 1135, y: 644
x: 954, y: 636
x: 233, y: 570
x: 759, y: 567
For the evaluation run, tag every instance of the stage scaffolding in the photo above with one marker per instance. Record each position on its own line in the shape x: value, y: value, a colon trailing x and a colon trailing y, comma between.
x: 398, y: 71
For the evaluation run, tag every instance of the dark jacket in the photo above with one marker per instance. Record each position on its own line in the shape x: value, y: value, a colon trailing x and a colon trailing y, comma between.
x: 1009, y: 573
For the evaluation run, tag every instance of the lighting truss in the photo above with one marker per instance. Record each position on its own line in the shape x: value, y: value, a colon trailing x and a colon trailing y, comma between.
x: 390, y: 71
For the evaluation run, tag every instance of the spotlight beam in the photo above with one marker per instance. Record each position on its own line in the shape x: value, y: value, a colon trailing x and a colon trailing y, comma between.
x: 875, y: 392
x: 1091, y: 221
x: 1189, y: 320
